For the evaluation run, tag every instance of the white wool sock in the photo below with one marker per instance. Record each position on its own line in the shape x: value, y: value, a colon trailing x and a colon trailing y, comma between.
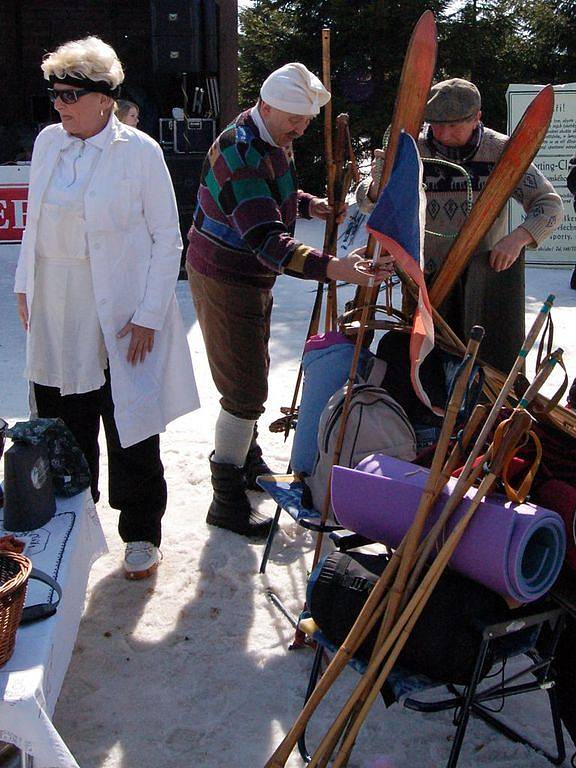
x: 232, y: 439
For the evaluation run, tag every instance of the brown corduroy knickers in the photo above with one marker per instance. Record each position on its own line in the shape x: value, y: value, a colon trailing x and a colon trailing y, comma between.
x: 235, y: 323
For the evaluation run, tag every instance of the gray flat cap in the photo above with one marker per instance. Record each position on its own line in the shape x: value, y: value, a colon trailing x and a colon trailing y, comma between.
x: 452, y: 101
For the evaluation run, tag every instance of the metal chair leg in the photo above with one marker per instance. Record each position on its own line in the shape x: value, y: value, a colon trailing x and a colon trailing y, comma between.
x: 557, y: 723
x: 464, y: 715
x: 270, y: 539
x: 314, y: 674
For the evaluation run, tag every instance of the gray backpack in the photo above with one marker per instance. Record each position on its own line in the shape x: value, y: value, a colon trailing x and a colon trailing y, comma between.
x: 376, y: 424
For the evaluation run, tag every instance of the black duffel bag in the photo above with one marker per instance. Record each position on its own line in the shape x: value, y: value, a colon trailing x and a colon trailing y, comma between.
x: 445, y: 640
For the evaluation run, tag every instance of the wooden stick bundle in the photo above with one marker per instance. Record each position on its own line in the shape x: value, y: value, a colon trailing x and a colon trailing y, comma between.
x: 468, y: 470
x: 355, y: 710
x: 387, y: 654
x: 373, y: 607
x: 429, y: 497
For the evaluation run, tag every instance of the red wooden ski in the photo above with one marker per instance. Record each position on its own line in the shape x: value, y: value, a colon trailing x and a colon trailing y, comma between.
x: 518, y: 153
x: 413, y: 91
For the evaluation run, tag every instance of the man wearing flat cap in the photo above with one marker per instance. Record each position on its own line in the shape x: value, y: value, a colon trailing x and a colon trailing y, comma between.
x: 490, y: 292
x: 242, y: 237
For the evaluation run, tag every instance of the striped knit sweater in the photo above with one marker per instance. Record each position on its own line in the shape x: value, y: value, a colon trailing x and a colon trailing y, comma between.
x: 243, y: 228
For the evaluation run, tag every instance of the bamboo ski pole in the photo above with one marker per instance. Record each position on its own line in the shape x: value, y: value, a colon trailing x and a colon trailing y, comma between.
x: 467, y: 476
x: 317, y: 307
x: 326, y: 77
x: 330, y: 239
x: 461, y: 444
x: 454, y: 460
x: 518, y: 425
x: 330, y: 164
x: 509, y: 382
x: 340, y: 187
x: 371, y: 612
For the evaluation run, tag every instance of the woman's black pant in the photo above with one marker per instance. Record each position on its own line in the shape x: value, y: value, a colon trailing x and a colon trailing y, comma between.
x: 136, y: 484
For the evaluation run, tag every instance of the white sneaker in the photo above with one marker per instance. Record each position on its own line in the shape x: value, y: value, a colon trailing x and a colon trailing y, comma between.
x: 141, y: 559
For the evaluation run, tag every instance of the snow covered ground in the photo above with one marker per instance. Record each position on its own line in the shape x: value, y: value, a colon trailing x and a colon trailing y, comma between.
x: 192, y: 668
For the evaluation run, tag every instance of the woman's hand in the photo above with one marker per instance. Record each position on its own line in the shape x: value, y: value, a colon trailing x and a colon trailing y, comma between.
x: 22, y: 309
x: 347, y: 269
x: 141, y: 342
x: 320, y: 209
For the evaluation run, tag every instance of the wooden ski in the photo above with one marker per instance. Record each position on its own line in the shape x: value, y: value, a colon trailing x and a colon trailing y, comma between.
x: 413, y: 91
x: 503, y: 180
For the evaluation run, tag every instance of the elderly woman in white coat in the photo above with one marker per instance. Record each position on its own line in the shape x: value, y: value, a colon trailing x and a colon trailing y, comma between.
x: 95, y: 287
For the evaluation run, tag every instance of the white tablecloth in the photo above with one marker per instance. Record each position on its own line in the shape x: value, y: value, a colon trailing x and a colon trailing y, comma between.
x: 65, y: 548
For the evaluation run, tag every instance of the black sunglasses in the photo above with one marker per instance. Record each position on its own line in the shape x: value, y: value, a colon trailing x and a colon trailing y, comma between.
x: 68, y: 96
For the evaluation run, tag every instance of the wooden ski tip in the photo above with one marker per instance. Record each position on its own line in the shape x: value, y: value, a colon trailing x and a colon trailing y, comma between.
x: 477, y: 333
x: 547, y: 94
x: 426, y: 26
x: 427, y: 18
x: 541, y: 106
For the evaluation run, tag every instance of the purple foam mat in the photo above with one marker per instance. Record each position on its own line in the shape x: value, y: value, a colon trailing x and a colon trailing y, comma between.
x: 516, y: 550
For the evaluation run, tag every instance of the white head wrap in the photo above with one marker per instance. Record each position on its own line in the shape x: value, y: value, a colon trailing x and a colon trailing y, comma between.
x: 294, y: 89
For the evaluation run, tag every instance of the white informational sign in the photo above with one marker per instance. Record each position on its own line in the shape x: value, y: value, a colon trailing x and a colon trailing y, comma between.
x: 552, y: 160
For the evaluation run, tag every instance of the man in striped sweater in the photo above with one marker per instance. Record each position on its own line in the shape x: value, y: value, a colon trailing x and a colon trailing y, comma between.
x: 242, y: 237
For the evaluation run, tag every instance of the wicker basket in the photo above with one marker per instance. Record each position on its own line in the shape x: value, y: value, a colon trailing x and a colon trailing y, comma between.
x: 14, y: 572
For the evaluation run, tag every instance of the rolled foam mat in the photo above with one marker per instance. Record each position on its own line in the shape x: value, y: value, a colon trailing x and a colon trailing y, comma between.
x: 516, y: 550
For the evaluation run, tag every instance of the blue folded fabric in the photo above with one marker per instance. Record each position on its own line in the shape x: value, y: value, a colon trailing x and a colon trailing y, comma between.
x: 326, y: 366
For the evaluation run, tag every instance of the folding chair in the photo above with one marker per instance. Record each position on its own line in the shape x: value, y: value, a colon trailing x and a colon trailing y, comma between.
x: 286, y: 490
x: 536, y: 670
x: 531, y: 637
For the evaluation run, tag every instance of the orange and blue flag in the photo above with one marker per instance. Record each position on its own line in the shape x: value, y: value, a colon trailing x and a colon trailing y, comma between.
x: 397, y: 223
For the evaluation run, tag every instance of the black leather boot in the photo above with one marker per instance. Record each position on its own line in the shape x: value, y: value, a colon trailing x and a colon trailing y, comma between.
x: 230, y: 507
x: 255, y: 465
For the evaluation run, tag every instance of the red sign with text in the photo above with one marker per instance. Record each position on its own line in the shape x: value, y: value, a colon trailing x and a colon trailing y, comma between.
x: 13, y: 205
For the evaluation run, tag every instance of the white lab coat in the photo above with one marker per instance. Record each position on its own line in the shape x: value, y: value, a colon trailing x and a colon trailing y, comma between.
x: 134, y: 244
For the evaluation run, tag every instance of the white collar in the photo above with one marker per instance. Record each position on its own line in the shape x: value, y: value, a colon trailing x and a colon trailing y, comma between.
x: 98, y: 141
x: 261, y: 125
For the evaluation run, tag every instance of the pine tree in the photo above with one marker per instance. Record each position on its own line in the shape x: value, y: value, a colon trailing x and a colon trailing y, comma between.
x: 491, y: 42
x: 368, y: 44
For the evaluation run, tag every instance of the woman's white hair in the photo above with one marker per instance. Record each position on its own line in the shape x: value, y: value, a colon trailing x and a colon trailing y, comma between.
x: 89, y: 57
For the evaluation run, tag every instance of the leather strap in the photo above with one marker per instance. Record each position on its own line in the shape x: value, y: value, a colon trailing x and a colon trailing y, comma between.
x: 42, y: 610
x: 519, y: 495
x: 546, y: 338
x: 553, y: 401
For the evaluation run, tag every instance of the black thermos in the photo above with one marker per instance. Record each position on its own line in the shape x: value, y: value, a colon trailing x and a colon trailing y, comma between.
x: 28, y: 492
